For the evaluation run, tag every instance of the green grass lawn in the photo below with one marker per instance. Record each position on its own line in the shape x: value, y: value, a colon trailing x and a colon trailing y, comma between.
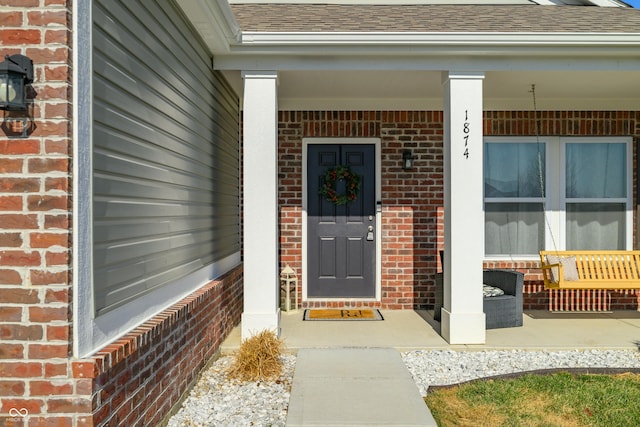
x: 560, y: 399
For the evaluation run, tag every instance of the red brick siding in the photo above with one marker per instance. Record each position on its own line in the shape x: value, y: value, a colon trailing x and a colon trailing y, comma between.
x: 409, y: 224
x: 413, y: 213
x: 35, y: 205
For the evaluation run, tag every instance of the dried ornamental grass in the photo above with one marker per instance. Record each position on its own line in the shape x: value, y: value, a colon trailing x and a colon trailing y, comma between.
x: 258, y: 358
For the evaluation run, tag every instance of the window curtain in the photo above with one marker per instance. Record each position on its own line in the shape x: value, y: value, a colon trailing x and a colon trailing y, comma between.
x: 513, y: 228
x: 595, y: 171
x: 514, y: 223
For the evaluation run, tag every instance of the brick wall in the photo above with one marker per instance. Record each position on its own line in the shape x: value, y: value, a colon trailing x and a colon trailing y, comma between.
x: 566, y: 123
x: 413, y: 216
x: 35, y: 208
x: 410, y: 198
x: 133, y: 382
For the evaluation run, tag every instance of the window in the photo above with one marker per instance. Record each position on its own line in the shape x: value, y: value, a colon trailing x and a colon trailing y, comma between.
x: 585, y: 184
x: 514, y: 219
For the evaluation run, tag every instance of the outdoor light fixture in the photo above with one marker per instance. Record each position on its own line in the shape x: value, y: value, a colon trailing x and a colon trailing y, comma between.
x: 407, y: 160
x: 16, y: 72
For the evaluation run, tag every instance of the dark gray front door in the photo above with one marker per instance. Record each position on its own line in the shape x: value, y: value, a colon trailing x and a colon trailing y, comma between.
x: 341, y: 248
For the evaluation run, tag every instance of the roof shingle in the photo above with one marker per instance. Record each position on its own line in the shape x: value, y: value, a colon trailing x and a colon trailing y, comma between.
x: 434, y: 18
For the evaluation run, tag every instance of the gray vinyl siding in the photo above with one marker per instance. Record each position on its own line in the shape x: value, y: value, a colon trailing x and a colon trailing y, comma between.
x: 165, y: 153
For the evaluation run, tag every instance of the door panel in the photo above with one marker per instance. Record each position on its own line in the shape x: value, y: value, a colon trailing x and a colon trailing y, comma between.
x: 341, y: 260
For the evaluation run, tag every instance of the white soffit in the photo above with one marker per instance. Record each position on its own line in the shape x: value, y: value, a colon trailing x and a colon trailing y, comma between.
x: 214, y: 21
x: 422, y: 90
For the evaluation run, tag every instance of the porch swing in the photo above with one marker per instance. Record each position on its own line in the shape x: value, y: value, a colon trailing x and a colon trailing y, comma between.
x: 584, y: 269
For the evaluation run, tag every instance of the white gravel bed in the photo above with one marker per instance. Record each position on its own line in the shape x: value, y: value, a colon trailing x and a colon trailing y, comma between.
x: 216, y: 401
x: 444, y: 367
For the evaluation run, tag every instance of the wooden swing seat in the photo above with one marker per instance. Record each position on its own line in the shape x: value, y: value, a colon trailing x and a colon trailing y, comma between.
x: 591, y: 269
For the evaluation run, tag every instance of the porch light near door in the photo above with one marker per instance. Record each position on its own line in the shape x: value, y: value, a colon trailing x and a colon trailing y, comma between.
x: 407, y: 160
x: 16, y: 72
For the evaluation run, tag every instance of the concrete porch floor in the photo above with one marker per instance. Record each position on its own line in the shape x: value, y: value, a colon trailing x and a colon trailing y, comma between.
x: 407, y: 330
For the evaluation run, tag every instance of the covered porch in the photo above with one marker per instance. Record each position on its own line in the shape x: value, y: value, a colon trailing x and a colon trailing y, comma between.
x: 436, y: 93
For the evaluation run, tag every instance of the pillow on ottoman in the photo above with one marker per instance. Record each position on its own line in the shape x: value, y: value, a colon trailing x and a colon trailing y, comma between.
x: 491, y: 291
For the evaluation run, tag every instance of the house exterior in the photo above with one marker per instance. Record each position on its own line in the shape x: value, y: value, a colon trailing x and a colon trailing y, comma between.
x: 173, y: 157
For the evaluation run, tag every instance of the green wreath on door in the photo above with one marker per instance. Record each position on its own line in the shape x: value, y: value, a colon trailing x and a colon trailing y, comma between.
x: 332, y: 176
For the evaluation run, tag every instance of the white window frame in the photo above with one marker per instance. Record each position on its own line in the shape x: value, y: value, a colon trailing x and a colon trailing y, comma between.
x: 547, y: 200
x: 554, y: 186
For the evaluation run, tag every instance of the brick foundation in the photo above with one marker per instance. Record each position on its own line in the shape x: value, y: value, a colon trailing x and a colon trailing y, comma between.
x: 136, y: 380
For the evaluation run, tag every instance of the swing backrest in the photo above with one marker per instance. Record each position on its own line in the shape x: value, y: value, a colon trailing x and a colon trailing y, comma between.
x: 595, y: 269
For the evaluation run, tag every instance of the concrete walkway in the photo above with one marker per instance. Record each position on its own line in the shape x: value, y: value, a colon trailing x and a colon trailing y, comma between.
x: 351, y: 373
x: 355, y: 387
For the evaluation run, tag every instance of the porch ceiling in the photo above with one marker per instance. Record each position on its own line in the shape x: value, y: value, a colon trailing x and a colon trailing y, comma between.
x: 579, y: 58
x: 357, y: 90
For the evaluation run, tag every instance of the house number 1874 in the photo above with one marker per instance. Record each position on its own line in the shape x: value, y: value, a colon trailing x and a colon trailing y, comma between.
x: 466, y: 130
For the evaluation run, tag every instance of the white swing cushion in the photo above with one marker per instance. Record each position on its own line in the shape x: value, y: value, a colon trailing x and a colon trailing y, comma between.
x: 569, y: 267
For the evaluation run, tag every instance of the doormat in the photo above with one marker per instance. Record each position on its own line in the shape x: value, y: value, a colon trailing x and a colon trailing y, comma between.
x: 342, y: 314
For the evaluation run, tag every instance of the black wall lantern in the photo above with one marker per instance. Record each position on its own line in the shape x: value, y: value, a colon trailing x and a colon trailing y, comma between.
x: 16, y: 72
x: 407, y: 160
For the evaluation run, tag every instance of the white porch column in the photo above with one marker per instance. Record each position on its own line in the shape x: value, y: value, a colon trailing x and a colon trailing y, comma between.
x: 463, y: 319
x: 260, y: 186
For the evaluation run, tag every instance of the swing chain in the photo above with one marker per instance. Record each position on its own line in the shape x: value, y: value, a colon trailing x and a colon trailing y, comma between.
x: 540, y: 168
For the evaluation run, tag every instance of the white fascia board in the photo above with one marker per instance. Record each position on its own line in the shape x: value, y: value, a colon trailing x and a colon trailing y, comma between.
x: 385, y: 2
x: 433, y: 51
x: 214, y: 21
x: 466, y: 39
x: 419, y: 51
x: 600, y: 3
x: 603, y: 3
x: 607, y: 3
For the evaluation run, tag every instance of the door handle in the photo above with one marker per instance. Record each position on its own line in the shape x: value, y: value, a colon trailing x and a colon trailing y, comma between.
x: 370, y: 233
